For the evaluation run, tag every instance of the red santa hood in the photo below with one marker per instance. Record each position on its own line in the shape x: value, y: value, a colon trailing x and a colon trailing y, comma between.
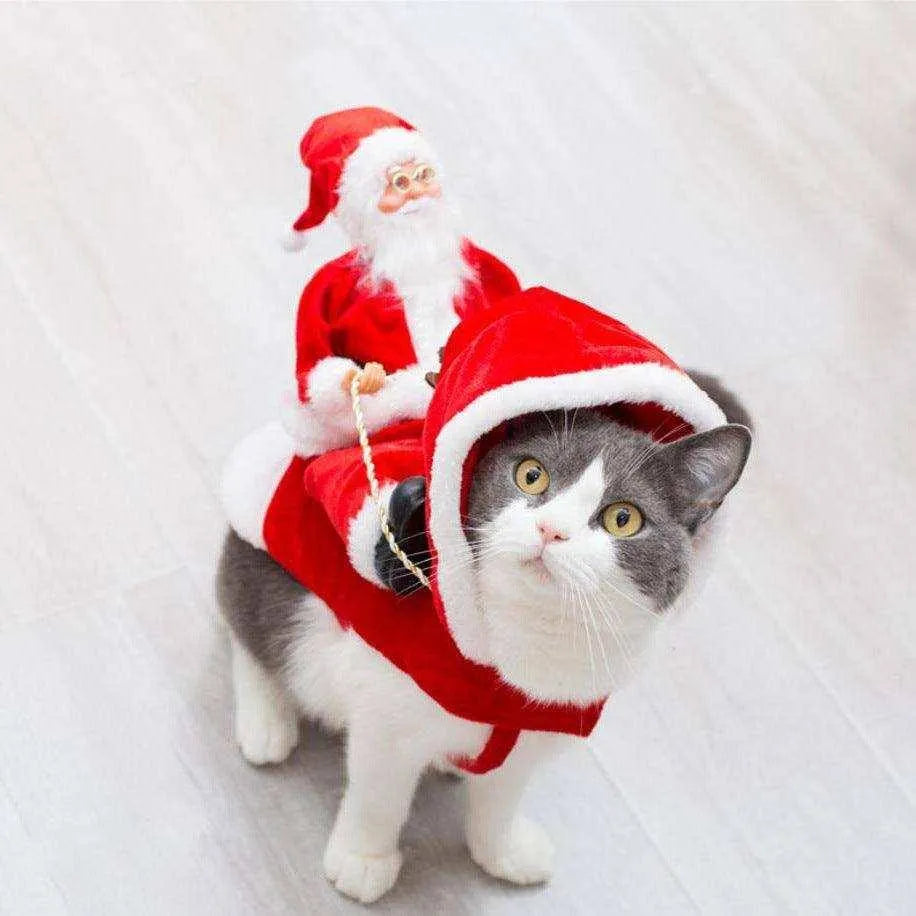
x: 533, y: 351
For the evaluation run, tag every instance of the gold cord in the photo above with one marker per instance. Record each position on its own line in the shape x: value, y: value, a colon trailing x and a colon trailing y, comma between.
x: 373, y: 481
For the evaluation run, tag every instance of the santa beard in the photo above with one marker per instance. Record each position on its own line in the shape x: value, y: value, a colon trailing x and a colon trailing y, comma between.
x: 418, y: 250
x: 417, y: 246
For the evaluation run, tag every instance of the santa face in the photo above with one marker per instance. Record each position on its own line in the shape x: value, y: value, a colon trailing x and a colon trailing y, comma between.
x: 410, y: 185
x: 399, y: 219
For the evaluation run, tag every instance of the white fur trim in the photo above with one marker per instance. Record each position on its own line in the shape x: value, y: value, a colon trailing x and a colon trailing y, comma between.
x: 293, y: 240
x: 632, y: 383
x: 250, y: 479
x: 406, y: 396
x: 364, y: 179
x: 363, y: 535
x: 316, y: 429
x: 324, y: 382
x: 429, y: 311
x: 311, y: 433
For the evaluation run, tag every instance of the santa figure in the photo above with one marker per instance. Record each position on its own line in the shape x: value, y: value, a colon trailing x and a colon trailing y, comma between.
x: 387, y: 305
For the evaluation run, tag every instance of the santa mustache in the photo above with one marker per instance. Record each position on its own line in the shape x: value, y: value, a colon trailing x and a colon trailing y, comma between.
x: 418, y: 205
x: 432, y: 221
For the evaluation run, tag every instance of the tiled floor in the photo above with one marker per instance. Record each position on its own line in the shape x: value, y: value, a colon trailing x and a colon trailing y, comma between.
x: 738, y: 182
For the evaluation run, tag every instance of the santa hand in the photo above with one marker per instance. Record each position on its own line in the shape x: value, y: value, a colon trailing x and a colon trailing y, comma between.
x: 372, y: 379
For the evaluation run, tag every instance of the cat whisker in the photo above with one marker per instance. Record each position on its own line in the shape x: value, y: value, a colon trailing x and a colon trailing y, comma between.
x: 631, y: 599
x: 608, y: 616
x: 574, y: 594
x: 553, y: 429
x: 591, y: 657
x: 624, y: 649
x: 583, y: 602
x: 654, y: 446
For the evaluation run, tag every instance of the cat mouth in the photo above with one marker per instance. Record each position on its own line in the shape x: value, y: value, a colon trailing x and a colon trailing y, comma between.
x: 539, y: 568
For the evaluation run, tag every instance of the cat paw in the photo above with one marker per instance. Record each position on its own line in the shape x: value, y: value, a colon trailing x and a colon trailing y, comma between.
x: 266, y: 733
x: 364, y: 878
x: 525, y: 857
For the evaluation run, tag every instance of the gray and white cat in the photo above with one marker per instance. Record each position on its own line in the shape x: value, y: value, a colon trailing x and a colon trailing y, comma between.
x: 584, y: 534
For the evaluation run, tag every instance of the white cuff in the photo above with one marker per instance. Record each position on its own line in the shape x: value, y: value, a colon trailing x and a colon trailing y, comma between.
x: 313, y: 432
x: 363, y: 535
x: 404, y: 396
x: 323, y: 385
x: 326, y: 421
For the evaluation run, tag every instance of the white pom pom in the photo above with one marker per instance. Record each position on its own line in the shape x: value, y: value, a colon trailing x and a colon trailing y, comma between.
x: 292, y: 240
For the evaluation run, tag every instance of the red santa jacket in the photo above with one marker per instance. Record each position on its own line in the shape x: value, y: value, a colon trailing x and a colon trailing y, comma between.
x: 533, y: 351
x: 345, y: 320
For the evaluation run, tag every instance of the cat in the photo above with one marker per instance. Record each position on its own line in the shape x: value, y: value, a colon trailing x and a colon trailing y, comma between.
x: 583, y: 533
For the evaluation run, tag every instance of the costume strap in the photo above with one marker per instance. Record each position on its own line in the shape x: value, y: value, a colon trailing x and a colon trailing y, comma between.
x: 498, y: 747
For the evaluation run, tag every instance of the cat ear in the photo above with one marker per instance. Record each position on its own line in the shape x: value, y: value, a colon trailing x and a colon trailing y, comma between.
x: 705, y: 467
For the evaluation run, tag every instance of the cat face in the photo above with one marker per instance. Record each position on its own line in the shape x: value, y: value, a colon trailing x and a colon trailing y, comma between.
x: 583, y: 534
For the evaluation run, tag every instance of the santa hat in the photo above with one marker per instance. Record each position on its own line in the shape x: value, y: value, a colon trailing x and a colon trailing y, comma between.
x: 532, y: 352
x: 348, y: 152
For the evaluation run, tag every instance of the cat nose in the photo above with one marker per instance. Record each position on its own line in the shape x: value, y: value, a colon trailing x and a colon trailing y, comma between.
x: 549, y: 533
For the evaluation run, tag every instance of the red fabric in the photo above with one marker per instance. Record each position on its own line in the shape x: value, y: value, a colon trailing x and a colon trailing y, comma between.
x: 536, y: 333
x: 305, y: 531
x: 337, y: 479
x: 498, y: 747
x: 341, y: 315
x: 325, y: 147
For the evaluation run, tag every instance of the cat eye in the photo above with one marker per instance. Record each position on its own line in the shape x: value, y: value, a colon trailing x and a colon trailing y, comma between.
x: 622, y: 519
x: 531, y: 477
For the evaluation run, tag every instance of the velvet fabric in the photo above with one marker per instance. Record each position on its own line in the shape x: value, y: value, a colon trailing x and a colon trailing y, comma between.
x: 534, y: 336
x: 306, y: 532
x: 341, y: 313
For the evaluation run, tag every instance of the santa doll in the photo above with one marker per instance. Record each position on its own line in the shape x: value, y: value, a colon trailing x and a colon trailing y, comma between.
x: 388, y: 304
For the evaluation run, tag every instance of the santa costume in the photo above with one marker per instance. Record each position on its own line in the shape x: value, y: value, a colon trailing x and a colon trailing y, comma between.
x: 395, y: 297
x: 534, y: 351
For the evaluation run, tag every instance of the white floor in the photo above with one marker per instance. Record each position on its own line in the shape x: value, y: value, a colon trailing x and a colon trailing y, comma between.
x: 738, y: 182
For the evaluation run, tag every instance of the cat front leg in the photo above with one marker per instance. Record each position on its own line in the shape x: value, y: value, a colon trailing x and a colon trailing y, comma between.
x: 501, y: 841
x: 362, y: 858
